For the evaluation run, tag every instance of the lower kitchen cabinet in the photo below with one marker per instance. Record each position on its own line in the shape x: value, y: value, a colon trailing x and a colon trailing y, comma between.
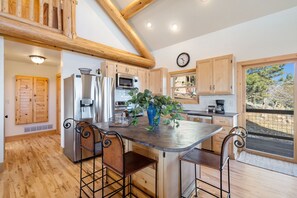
x: 227, y: 123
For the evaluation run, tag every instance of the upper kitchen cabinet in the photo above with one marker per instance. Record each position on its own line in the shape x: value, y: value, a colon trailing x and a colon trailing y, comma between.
x: 158, y: 81
x: 108, y: 69
x: 215, y: 75
x: 126, y: 69
x: 143, y: 78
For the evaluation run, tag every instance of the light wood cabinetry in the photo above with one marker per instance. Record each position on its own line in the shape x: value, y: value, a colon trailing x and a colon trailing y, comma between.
x: 215, y: 75
x: 227, y: 123
x: 108, y: 69
x: 158, y: 81
x: 31, y: 99
x: 143, y: 78
x: 126, y: 69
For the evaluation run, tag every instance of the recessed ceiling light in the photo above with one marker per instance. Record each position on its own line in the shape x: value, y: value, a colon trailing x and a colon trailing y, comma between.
x: 149, y: 25
x: 174, y: 27
x: 37, y: 59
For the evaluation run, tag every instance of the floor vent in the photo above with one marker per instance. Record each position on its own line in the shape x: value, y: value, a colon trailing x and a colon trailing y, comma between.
x: 38, y: 128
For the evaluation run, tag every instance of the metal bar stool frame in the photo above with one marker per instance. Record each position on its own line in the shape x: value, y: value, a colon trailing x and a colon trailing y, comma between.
x: 224, y: 159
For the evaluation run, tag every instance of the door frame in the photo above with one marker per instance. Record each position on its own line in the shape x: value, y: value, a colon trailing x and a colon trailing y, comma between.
x: 241, y: 68
x: 58, y: 103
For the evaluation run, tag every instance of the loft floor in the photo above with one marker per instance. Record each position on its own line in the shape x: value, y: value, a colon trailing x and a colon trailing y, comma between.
x: 36, y: 167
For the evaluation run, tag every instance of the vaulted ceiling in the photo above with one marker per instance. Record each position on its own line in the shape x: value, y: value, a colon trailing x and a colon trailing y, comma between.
x: 195, y: 17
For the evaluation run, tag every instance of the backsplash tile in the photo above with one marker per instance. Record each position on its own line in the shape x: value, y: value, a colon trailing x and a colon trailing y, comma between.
x: 122, y: 95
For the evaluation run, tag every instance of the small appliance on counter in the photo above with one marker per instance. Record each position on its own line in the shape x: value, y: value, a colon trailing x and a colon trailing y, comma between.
x: 220, y: 106
x: 211, y: 108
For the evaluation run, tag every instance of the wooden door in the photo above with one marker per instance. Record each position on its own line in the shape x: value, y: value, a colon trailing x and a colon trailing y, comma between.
x: 40, y: 100
x: 204, y: 77
x: 223, y: 75
x: 23, y: 101
x: 58, y: 103
x: 156, y: 82
x: 143, y: 79
x: 108, y: 69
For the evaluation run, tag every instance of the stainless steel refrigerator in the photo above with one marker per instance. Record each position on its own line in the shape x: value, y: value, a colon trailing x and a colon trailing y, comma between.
x: 86, y: 97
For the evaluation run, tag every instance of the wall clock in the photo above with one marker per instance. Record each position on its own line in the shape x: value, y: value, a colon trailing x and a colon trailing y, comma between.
x: 183, y: 59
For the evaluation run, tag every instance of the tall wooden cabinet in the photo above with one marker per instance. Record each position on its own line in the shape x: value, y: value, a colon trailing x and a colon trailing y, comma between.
x: 215, y: 75
x: 31, y: 101
x: 143, y: 78
x: 158, y: 81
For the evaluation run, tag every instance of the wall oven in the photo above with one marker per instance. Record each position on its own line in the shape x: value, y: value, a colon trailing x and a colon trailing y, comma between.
x: 126, y: 81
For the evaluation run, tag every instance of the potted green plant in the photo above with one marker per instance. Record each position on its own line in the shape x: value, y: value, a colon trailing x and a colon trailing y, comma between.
x: 156, y: 106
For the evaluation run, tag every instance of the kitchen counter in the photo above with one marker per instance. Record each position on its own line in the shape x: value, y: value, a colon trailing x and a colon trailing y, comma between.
x: 205, y: 113
x: 167, y: 138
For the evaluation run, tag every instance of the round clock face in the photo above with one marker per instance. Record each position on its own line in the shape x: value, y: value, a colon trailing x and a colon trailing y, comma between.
x: 183, y: 59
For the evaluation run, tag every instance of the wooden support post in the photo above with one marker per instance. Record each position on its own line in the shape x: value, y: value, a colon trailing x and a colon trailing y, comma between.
x: 1, y: 5
x: 59, y: 14
x: 19, y: 8
x: 50, y: 13
x: 40, y: 35
x: 67, y: 18
x: 73, y: 18
x: 117, y: 17
x: 41, y: 12
x: 5, y: 6
x: 31, y: 10
x: 135, y: 7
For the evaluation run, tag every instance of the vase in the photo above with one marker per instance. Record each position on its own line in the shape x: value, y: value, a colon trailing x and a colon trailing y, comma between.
x: 151, y: 113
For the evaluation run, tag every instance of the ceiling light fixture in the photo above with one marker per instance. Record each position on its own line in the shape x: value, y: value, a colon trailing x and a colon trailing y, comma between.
x: 174, y: 28
x: 149, y: 25
x: 37, y: 59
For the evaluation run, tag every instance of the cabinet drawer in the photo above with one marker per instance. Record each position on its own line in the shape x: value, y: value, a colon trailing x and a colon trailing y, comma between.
x: 223, y: 121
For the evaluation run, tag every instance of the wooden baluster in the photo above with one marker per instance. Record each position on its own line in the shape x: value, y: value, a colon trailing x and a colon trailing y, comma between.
x: 50, y: 13
x: 5, y: 6
x: 73, y: 18
x: 59, y: 14
x: 67, y: 18
x: 0, y: 5
x: 19, y: 8
x: 31, y: 10
x: 41, y: 12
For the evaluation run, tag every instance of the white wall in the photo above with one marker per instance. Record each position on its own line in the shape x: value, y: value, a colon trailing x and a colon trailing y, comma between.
x: 1, y: 99
x: 70, y: 62
x: 94, y: 24
x: 13, y: 68
x: 268, y: 36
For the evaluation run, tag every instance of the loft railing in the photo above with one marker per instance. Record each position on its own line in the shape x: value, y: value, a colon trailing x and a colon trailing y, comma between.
x: 45, y: 13
x: 271, y: 123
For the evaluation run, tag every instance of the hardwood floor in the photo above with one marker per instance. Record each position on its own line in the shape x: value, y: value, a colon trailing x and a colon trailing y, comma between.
x: 37, y: 167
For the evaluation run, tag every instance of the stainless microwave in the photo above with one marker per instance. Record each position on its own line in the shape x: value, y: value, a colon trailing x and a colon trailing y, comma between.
x: 126, y: 81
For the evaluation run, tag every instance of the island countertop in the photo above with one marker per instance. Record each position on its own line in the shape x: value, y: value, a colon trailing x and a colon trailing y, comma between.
x: 166, y: 137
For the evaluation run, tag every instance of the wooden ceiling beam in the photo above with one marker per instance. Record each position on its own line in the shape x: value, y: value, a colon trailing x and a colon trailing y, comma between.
x: 135, y: 7
x: 40, y: 35
x: 117, y: 17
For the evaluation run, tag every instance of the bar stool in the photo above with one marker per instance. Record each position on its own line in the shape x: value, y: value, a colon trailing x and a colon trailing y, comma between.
x: 91, y: 147
x: 123, y: 164
x: 214, y: 161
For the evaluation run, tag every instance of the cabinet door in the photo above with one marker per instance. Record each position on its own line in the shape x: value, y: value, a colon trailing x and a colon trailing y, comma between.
x: 204, y: 75
x: 23, y: 101
x: 223, y: 75
x: 156, y: 82
x: 40, y: 101
x: 122, y: 69
x: 132, y: 70
x: 143, y: 79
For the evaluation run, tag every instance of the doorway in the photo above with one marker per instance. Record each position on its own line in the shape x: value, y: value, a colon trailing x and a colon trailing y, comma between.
x: 267, y: 106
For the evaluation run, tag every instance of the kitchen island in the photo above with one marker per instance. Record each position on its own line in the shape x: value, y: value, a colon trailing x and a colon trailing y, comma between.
x: 165, y: 144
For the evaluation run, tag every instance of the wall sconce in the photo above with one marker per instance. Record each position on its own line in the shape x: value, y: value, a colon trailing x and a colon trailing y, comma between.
x: 37, y: 59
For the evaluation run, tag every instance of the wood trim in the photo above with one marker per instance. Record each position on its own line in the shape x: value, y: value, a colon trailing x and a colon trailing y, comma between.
x: 28, y: 32
x: 241, y: 67
x: 182, y: 71
x: 116, y: 16
x: 29, y: 135
x: 58, y: 103
x: 1, y: 167
x: 135, y: 7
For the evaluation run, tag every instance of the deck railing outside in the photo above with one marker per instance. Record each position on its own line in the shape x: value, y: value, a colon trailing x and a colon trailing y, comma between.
x: 274, y: 123
x: 43, y: 12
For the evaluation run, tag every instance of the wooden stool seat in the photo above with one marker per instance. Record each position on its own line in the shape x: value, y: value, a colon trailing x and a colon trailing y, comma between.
x: 202, y: 157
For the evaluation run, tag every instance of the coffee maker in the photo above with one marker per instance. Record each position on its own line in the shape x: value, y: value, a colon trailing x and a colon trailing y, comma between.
x: 220, y: 106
